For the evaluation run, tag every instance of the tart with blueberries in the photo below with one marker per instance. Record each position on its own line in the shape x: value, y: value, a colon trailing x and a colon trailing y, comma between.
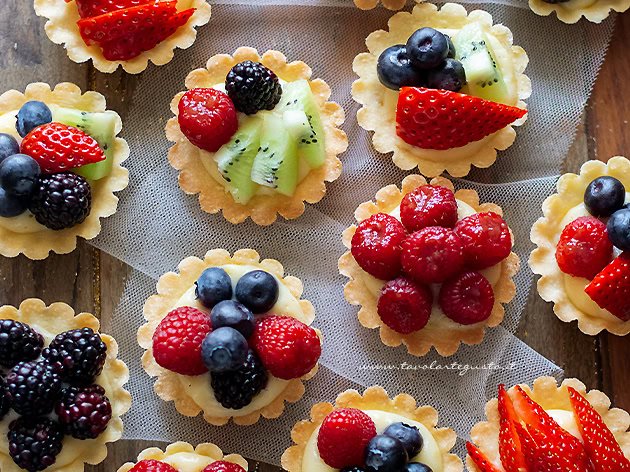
x: 583, y: 252
x: 229, y: 336
x: 429, y: 266
x: 550, y: 428
x: 60, y: 165
x: 442, y: 89
x: 61, y: 389
x: 571, y: 11
x: 255, y: 136
x: 371, y: 433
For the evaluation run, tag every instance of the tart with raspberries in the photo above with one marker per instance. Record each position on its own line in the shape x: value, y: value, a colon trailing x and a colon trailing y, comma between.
x: 571, y: 11
x: 429, y: 266
x: 61, y: 389
x: 229, y: 336
x: 442, y: 89
x: 255, y: 136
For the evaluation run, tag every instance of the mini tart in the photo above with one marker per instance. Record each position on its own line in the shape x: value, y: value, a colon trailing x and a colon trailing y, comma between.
x: 50, y: 321
x: 389, y: 4
x: 378, y: 111
x: 37, y: 244
x: 263, y: 209
x: 572, y: 10
x: 565, y: 291
x: 62, y: 28
x: 551, y: 397
x: 171, y: 287
x: 440, y: 332
x: 374, y: 398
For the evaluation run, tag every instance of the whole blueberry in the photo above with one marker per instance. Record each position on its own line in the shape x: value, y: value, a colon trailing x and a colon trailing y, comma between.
x: 8, y: 146
x: 452, y: 52
x: 385, y: 454
x: 19, y: 174
x: 409, y: 436
x: 395, y: 70
x: 257, y: 290
x: 213, y: 286
x: 234, y: 315
x: 416, y: 467
x: 224, y: 349
x: 450, y: 75
x: 31, y: 115
x: 604, y: 196
x: 618, y: 227
x: 10, y: 205
x: 427, y: 48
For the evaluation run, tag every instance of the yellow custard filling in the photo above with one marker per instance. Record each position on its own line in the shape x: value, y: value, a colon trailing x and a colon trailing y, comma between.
x: 188, y: 461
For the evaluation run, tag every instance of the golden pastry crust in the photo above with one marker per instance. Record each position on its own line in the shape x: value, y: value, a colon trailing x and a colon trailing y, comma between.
x: 263, y: 209
x: 546, y: 232
x: 62, y: 28
x: 378, y: 113
x: 104, y: 203
x: 389, y: 4
x: 551, y: 397
x: 571, y: 11
x: 440, y: 332
x: 56, y: 319
x: 171, y: 287
x: 374, y: 398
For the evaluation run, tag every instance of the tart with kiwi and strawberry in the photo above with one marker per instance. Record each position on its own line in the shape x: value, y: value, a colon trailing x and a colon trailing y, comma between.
x: 550, y: 428
x: 255, y: 136
x: 583, y: 252
x: 61, y: 389
x: 127, y: 33
x: 229, y: 337
x: 571, y: 11
x: 442, y: 89
x: 60, y: 165
x: 429, y: 266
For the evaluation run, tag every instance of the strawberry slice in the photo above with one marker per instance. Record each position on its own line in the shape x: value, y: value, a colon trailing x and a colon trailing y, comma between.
x: 509, y: 444
x: 480, y: 460
x: 89, y: 8
x: 599, y: 442
x: 440, y: 119
x: 610, y: 289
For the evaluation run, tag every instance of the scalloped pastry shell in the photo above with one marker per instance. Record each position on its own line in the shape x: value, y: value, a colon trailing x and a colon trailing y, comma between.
x: 448, y: 335
x: 62, y: 28
x: 571, y: 11
x: 374, y: 114
x: 171, y: 287
x: 104, y: 203
x: 546, y: 231
x: 374, y: 398
x: 389, y: 4
x: 58, y: 318
x: 547, y: 393
x: 263, y: 209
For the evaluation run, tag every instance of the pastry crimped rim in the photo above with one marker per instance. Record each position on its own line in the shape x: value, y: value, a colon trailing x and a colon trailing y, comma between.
x: 58, y: 318
x: 418, y: 343
x: 170, y: 287
x: 263, y: 209
x: 597, y: 12
x: 62, y: 28
x: 547, y: 393
x: 374, y: 398
x: 571, y: 188
x: 389, y: 4
x: 375, y: 116
x: 38, y: 245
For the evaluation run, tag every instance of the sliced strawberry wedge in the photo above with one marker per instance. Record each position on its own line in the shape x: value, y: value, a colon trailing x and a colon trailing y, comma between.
x: 480, y: 460
x: 509, y: 443
x: 89, y: 8
x: 610, y: 288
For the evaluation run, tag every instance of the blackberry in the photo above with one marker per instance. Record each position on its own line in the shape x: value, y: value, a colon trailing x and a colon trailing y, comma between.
x: 236, y: 389
x: 34, y: 443
x: 5, y: 404
x: 79, y: 354
x: 84, y: 412
x: 33, y: 388
x: 253, y: 87
x: 18, y: 342
x: 61, y: 200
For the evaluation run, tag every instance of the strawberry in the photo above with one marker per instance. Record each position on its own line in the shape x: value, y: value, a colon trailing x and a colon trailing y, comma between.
x: 584, y: 248
x: 610, y: 289
x: 404, y: 305
x: 486, y: 239
x: 467, y: 298
x: 223, y: 466
x: 432, y: 255
x: 89, y: 8
x: 480, y: 460
x: 509, y: 444
x: 151, y: 465
x: 441, y: 119
x: 428, y: 205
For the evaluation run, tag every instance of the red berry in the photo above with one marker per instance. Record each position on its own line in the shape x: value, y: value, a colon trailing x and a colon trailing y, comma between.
x: 207, y: 117
x: 428, y: 205
x: 88, y: 8
x: 150, y: 465
x: 480, y: 459
x: 467, y: 298
x: 610, y: 289
x: 584, y: 248
x: 343, y: 436
x: 177, y: 341
x: 486, y: 239
x: 223, y: 466
x: 432, y: 255
x: 404, y: 305
x: 376, y: 245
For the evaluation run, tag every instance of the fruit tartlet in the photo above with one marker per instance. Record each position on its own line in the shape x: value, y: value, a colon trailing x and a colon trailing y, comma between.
x: 442, y: 89
x: 571, y: 11
x: 370, y: 4
x: 229, y: 337
x: 127, y: 33
x: 429, y: 266
x: 550, y: 428
x: 255, y: 136
x: 60, y: 164
x: 61, y: 389
x: 583, y: 252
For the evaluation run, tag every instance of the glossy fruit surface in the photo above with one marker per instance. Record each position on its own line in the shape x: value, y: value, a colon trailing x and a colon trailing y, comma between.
x: 19, y: 174
x: 385, y: 454
x: 427, y: 48
x: 258, y: 291
x: 213, y: 286
x: 233, y: 315
x: 395, y: 70
x: 224, y: 349
x: 604, y: 196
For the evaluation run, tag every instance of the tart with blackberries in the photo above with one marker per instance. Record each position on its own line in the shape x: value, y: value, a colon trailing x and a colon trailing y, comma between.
x: 255, y: 136
x: 429, y: 266
x: 571, y: 11
x: 442, y: 89
x: 229, y: 336
x: 61, y: 389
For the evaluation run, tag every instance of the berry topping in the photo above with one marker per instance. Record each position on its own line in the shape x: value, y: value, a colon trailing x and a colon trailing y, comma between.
x: 213, y: 286
x: 5, y: 402
x: 253, y: 87
x: 234, y: 315
x: 485, y: 238
x: 409, y: 436
x: 427, y: 48
x: 428, y: 205
x: 450, y: 75
x: 432, y: 255
x: 236, y: 389
x: 452, y: 52
x: 84, y: 412
x: 88, y: 8
x: 618, y: 228
x: 416, y: 467
x: 224, y: 349
x: 18, y: 175
x: 404, y: 305
x: 467, y: 298
x: 610, y: 289
x: 257, y: 290
x: 480, y: 460
x: 18, y: 342
x: 61, y: 201
x: 510, y: 452
x: 8, y: 146
x: 34, y: 443
x: 79, y: 355
x: 151, y: 465
x: 11, y: 206
x: 395, y: 69
x: 31, y: 115
x: 385, y: 454
x: 223, y: 466
x: 604, y: 196
x: 33, y: 388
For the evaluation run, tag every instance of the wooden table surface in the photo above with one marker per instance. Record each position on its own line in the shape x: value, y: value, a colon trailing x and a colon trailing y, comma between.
x: 93, y: 281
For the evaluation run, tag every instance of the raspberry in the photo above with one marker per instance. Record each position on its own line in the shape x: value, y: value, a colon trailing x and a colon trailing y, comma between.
x: 253, y: 87
x: 428, y: 205
x: 223, y: 466
x: 404, y: 305
x: 18, y: 342
x: 84, y: 412
x: 342, y: 437
x: 287, y: 347
x: 432, y: 255
x: 33, y: 388
x: 376, y: 246
x: 467, y: 298
x: 584, y: 248
x: 61, y: 201
x: 151, y: 465
x: 236, y: 389
x: 177, y: 341
x: 34, y: 443
x: 485, y: 238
